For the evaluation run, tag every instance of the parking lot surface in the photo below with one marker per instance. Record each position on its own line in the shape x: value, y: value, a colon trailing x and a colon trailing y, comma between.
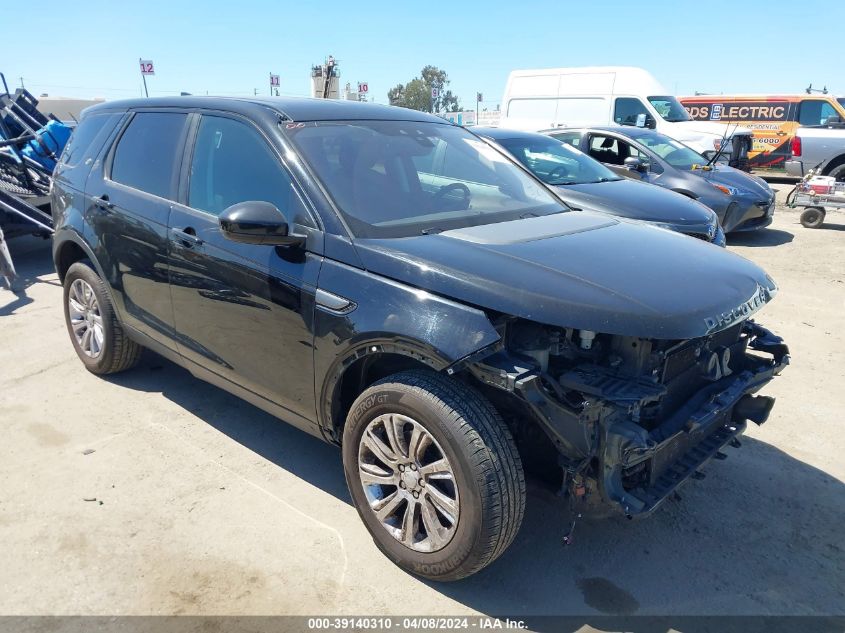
x: 151, y: 492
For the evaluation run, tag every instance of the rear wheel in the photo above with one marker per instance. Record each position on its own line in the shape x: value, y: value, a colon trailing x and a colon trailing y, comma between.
x: 812, y: 217
x: 838, y: 173
x: 434, y: 473
x: 97, y: 336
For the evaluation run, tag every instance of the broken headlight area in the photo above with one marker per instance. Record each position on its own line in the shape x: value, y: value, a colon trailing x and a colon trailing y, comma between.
x: 630, y: 419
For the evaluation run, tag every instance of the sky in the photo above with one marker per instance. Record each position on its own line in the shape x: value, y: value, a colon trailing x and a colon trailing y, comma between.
x: 231, y: 47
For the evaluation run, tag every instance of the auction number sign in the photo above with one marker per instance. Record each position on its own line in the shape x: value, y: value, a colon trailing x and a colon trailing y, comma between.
x: 274, y: 81
x: 363, y: 87
x: 147, y: 67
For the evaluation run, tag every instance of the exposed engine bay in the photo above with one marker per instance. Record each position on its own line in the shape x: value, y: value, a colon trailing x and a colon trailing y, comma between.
x: 630, y: 418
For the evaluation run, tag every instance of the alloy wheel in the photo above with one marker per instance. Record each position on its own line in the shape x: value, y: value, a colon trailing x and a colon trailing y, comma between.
x: 86, y: 322
x: 409, y: 482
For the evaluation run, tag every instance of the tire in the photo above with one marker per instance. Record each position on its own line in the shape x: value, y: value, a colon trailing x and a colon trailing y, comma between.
x: 838, y: 173
x: 108, y: 350
x: 487, y: 483
x: 812, y: 217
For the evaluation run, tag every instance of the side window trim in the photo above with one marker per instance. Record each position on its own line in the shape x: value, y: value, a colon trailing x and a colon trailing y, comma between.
x: 184, y: 185
x: 108, y: 160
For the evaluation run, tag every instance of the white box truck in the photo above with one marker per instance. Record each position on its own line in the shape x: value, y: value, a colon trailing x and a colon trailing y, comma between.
x: 613, y: 95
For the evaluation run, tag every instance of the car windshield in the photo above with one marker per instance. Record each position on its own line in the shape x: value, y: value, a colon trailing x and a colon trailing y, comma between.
x: 675, y: 153
x: 404, y: 178
x: 669, y: 108
x: 555, y: 162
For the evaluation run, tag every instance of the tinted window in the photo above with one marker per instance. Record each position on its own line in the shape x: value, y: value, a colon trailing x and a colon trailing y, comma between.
x: 555, y: 162
x: 627, y: 109
x: 572, y: 138
x: 669, y: 108
x: 673, y: 152
x: 815, y: 112
x: 403, y: 178
x: 233, y: 163
x: 87, y: 137
x: 146, y: 152
x: 607, y: 149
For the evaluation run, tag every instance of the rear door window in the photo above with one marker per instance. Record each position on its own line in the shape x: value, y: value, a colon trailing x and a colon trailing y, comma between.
x: 146, y: 153
x: 87, y: 137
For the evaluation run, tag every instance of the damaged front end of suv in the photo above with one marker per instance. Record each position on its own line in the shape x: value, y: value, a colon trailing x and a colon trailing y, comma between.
x: 619, y: 376
x: 632, y: 418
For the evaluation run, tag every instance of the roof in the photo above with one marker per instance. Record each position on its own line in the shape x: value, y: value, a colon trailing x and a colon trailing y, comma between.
x: 630, y: 131
x: 293, y: 108
x: 499, y: 133
x: 760, y: 96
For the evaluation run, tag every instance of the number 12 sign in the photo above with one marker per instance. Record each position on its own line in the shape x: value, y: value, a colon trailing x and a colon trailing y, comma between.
x: 147, y: 67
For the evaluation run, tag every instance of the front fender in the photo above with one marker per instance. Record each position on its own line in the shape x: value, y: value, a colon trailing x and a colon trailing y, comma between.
x: 388, y: 317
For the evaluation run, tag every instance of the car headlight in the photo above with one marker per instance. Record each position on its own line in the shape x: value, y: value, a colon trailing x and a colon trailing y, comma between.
x: 726, y: 189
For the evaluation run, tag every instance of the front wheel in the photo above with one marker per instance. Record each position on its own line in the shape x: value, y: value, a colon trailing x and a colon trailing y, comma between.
x: 434, y: 473
x: 812, y: 217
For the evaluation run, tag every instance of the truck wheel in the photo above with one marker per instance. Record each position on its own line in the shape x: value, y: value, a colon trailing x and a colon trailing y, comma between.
x: 812, y: 217
x: 434, y: 473
x: 838, y: 173
x: 96, y: 334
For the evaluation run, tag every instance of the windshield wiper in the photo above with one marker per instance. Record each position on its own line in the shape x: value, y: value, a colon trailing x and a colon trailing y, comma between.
x: 432, y: 230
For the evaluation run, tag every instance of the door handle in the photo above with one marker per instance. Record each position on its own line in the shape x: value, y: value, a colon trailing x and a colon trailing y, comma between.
x: 187, y: 237
x: 102, y: 202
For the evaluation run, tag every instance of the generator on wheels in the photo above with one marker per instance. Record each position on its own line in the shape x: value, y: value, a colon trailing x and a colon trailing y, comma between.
x: 816, y: 194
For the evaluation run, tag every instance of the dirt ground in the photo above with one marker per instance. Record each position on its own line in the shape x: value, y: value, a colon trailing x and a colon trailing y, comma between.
x: 154, y: 493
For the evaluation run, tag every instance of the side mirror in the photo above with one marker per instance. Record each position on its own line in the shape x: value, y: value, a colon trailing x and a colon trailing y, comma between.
x: 636, y: 164
x: 833, y: 119
x: 254, y: 222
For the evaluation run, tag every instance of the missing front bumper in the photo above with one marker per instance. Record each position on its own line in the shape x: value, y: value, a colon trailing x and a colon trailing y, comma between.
x: 640, y: 469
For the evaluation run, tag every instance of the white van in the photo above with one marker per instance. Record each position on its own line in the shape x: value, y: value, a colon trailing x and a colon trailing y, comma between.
x: 612, y: 95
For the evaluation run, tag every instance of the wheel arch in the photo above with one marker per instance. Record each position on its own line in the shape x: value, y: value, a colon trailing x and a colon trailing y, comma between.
x: 834, y: 163
x: 69, y: 250
x: 361, y: 366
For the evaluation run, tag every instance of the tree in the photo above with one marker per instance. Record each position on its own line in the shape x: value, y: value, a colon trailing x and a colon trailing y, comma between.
x: 416, y: 94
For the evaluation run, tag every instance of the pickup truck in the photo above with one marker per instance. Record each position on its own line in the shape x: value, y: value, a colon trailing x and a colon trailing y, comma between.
x: 819, y: 147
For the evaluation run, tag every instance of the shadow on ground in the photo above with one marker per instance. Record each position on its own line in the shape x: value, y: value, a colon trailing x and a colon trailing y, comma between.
x: 764, y: 237
x: 32, y: 257
x: 762, y: 526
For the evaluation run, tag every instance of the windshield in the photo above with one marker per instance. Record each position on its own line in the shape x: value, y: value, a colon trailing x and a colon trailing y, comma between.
x: 675, y: 153
x: 404, y: 178
x: 669, y: 108
x: 555, y: 162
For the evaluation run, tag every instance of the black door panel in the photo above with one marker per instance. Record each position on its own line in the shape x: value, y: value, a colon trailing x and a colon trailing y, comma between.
x: 128, y: 212
x: 243, y: 311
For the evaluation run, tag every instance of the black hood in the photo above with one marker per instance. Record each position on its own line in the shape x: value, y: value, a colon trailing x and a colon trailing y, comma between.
x: 581, y: 270
x: 641, y: 201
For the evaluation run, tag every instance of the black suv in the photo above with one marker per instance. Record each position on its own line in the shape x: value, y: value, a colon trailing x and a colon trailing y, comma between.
x: 394, y: 284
